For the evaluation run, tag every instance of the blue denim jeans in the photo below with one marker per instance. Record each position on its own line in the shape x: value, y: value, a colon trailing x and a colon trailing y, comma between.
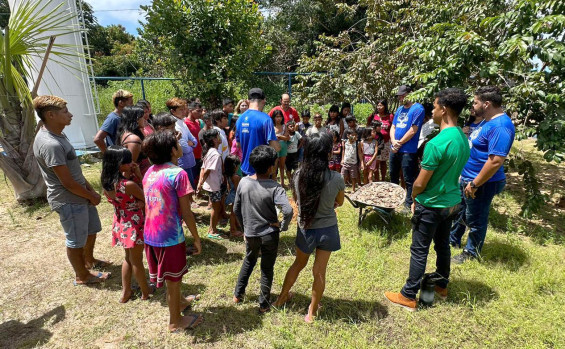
x: 409, y: 164
x: 474, y: 214
x: 429, y: 224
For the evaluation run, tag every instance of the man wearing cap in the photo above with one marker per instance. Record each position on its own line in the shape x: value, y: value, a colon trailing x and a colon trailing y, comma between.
x: 404, y: 136
x: 254, y: 128
x: 289, y: 112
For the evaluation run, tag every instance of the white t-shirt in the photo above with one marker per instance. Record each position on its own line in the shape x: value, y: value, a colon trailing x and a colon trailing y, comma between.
x: 223, y: 148
x: 293, y: 142
x: 427, y: 129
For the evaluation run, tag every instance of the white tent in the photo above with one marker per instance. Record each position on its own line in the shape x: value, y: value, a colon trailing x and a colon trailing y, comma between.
x: 72, y: 84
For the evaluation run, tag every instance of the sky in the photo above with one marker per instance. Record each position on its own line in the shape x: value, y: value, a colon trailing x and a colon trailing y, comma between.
x: 124, y: 12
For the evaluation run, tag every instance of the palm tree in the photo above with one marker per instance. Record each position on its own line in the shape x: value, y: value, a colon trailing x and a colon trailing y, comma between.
x: 26, y: 36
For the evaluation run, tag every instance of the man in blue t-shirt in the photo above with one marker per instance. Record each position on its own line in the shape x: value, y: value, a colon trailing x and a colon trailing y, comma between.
x: 483, y: 176
x: 254, y: 128
x: 108, y: 132
x: 404, y: 136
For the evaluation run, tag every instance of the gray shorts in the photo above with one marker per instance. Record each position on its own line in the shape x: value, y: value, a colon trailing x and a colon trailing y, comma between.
x: 78, y: 221
x: 326, y: 239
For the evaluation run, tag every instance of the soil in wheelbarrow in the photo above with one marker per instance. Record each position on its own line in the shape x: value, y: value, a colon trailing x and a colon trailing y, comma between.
x: 380, y: 194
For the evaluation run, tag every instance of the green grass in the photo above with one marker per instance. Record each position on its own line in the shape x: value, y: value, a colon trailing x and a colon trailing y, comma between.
x: 514, y: 298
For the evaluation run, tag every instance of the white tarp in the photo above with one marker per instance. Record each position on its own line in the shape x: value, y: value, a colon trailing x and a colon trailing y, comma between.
x: 71, y: 84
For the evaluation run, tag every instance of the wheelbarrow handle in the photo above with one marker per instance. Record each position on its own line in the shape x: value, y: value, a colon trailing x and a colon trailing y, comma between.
x: 353, y: 203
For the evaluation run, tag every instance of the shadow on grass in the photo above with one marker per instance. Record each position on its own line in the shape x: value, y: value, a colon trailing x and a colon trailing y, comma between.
x: 287, y: 245
x: 397, y: 228
x: 510, y: 255
x: 15, y: 334
x: 213, y: 253
x: 339, y: 310
x: 186, y: 290
x: 470, y: 293
x: 222, y: 321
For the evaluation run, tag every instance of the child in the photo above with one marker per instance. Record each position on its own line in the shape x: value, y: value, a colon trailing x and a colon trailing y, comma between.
x: 118, y: 170
x: 231, y: 167
x: 294, y: 144
x: 350, y: 159
x: 368, y: 147
x: 255, y: 206
x: 283, y: 137
x: 211, y: 178
x: 335, y: 161
x: 317, y: 192
x: 334, y: 120
x: 317, y: 128
x: 302, y: 127
x: 378, y: 136
x: 167, y: 189
x: 351, y: 124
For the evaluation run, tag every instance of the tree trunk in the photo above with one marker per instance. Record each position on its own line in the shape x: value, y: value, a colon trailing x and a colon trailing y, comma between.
x: 17, y: 126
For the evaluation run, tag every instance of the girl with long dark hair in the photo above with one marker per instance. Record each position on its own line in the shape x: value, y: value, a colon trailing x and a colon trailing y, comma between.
x: 383, y: 115
x: 283, y: 138
x: 317, y: 192
x: 211, y: 178
x: 334, y: 122
x: 130, y: 135
x: 147, y: 116
x: 127, y: 197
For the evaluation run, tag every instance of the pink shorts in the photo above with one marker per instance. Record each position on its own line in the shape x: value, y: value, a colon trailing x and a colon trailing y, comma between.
x: 373, y: 165
x: 166, y: 263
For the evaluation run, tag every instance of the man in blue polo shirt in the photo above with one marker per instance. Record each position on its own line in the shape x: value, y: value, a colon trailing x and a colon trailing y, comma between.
x: 404, y: 136
x: 254, y: 128
x: 483, y: 176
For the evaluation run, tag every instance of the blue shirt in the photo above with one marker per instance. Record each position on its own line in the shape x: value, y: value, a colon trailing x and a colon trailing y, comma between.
x: 253, y: 128
x: 110, y: 126
x: 494, y: 137
x: 404, y: 119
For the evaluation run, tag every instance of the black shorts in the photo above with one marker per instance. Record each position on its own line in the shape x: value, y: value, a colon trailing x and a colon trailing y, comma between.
x: 291, y: 161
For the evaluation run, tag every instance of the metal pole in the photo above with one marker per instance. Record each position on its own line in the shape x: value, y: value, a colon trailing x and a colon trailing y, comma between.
x: 143, y: 89
x: 290, y: 85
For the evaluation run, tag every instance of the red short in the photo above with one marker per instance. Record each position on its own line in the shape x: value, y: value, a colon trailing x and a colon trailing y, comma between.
x: 166, y: 263
x: 335, y: 166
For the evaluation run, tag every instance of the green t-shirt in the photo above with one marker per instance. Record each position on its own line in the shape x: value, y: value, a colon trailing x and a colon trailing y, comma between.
x: 446, y: 154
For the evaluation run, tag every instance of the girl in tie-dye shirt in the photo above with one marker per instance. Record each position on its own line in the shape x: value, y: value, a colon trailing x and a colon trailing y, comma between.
x: 167, y: 204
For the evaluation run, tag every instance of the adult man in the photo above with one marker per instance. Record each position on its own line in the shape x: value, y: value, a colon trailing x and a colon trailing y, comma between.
x: 68, y: 192
x: 254, y: 128
x: 188, y: 142
x: 483, y: 176
x: 437, y: 197
x: 288, y: 111
x: 404, y: 136
x: 108, y: 132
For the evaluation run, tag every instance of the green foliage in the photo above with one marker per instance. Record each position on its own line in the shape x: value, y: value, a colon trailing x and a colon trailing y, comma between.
x: 213, y: 46
x: 156, y: 92
x: 4, y: 13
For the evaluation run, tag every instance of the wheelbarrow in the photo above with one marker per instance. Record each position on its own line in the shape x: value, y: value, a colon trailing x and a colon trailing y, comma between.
x: 384, y: 211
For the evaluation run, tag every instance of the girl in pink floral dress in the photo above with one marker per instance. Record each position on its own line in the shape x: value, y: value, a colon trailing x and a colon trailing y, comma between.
x: 118, y: 171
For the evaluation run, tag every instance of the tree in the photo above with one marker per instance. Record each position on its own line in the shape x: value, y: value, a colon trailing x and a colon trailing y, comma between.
x: 213, y: 46
x: 4, y: 13
x: 25, y: 36
x: 433, y: 44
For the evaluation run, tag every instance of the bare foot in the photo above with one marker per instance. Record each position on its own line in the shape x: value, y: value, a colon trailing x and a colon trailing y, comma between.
x: 152, y: 290
x: 283, y: 300
x: 309, y: 318
x: 126, y: 296
x: 187, y: 322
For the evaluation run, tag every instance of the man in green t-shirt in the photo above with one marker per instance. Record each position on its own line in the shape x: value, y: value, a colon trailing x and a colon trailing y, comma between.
x: 437, y: 196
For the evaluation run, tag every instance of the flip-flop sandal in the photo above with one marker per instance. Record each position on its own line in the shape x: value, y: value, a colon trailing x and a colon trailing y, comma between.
x: 93, y: 279
x: 215, y: 236
x: 190, y: 300
x: 191, y: 326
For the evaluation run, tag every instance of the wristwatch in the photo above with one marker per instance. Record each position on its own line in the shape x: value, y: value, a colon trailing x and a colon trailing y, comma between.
x: 473, y: 185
